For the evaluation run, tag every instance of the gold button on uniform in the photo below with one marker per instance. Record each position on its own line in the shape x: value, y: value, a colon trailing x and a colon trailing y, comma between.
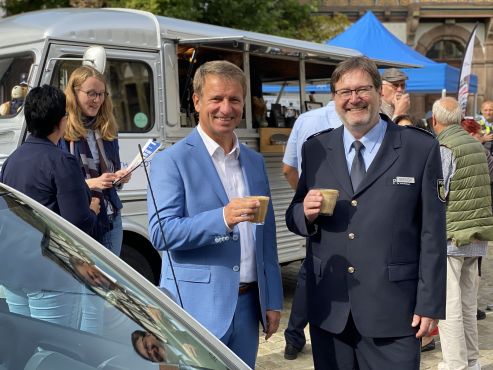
x: 351, y: 236
x: 354, y: 202
x: 350, y: 269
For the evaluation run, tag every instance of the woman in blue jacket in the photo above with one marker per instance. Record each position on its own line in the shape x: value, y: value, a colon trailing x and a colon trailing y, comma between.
x: 91, y: 136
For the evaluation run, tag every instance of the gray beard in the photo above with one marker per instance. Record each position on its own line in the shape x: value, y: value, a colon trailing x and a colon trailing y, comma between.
x: 387, y: 109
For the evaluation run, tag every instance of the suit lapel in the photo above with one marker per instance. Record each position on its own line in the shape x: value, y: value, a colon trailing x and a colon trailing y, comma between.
x: 336, y: 158
x: 385, y: 157
x: 199, y: 154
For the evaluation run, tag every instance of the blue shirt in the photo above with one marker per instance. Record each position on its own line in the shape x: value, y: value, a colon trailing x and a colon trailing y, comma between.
x: 372, y: 142
x: 306, y: 125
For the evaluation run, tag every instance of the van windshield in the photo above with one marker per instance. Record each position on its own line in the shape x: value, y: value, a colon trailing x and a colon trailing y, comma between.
x: 14, y: 71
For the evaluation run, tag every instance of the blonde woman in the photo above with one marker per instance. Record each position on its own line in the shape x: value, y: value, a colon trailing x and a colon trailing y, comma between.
x: 91, y: 136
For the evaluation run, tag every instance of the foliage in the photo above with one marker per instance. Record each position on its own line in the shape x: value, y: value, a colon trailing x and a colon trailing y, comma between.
x: 322, y: 28
x: 20, y: 6
x: 289, y: 18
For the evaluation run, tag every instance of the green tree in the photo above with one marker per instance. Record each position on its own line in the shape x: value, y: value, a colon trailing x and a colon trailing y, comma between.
x: 12, y: 7
x: 321, y: 28
x: 289, y: 18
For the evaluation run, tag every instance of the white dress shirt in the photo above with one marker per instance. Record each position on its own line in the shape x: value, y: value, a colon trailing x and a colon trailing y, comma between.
x: 230, y: 172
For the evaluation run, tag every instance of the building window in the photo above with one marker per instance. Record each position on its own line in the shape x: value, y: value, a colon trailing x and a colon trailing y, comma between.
x: 447, y: 51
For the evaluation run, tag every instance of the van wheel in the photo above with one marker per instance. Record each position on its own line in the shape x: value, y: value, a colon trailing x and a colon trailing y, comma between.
x: 138, y: 261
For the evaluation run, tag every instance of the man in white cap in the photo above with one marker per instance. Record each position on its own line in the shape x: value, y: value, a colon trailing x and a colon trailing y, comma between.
x: 395, y: 100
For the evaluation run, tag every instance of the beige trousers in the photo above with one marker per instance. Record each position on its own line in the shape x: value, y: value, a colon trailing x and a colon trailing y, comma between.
x: 459, y: 332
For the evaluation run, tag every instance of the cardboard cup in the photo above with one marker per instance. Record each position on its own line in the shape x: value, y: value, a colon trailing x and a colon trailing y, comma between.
x: 329, y: 202
x: 261, y: 212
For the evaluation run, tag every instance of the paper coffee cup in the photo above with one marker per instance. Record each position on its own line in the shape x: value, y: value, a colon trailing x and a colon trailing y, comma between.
x: 261, y: 212
x: 329, y: 202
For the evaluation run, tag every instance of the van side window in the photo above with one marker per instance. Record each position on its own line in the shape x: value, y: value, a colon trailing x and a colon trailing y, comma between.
x: 130, y: 88
x: 13, y: 83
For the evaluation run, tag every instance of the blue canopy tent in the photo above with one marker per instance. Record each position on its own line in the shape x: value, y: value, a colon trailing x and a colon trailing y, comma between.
x: 372, y: 39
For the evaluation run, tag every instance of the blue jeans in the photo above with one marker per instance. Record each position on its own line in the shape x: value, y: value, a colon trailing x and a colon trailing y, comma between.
x: 55, y: 307
x: 113, y: 239
x: 92, y: 318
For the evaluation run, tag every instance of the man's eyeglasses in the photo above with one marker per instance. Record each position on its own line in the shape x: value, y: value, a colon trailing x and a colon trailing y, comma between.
x: 91, y: 94
x: 362, y: 92
x: 395, y: 85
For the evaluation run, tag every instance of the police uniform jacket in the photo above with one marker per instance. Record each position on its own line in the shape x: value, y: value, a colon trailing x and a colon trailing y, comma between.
x: 382, y: 254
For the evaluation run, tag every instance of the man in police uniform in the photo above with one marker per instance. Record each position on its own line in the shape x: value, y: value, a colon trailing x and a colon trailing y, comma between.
x: 376, y: 267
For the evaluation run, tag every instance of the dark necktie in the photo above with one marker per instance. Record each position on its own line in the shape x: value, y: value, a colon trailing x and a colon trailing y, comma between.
x: 358, y: 170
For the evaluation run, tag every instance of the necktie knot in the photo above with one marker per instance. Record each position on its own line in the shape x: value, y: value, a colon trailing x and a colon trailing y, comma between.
x: 357, y: 145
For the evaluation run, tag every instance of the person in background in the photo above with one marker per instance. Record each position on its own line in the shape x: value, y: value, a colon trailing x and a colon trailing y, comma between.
x: 407, y: 120
x: 39, y: 169
x: 91, y: 136
x: 466, y: 191
x: 356, y: 269
x: 486, y: 122
x: 474, y: 129
x: 226, y: 267
x: 307, y: 124
x: 395, y: 100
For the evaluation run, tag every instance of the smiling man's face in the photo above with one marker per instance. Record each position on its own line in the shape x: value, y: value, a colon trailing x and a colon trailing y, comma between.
x: 359, y: 113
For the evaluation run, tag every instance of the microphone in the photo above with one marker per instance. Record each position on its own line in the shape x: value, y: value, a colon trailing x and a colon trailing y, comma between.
x: 160, y: 226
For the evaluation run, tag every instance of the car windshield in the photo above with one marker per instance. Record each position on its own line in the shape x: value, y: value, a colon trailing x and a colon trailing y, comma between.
x: 62, y: 307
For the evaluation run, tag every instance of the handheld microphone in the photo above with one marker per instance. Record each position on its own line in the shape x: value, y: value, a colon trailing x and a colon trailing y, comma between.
x: 160, y: 227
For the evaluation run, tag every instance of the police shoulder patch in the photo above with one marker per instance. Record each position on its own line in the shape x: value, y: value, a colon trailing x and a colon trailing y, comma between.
x: 441, y: 190
x: 420, y: 130
x: 319, y: 133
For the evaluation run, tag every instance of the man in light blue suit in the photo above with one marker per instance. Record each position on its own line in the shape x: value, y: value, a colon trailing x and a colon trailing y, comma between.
x: 226, y: 267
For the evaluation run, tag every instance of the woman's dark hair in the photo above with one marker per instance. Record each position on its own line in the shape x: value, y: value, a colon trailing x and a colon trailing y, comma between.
x: 415, y: 122
x: 44, y: 108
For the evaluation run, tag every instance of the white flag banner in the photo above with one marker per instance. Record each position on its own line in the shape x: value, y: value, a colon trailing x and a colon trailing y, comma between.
x: 465, y: 72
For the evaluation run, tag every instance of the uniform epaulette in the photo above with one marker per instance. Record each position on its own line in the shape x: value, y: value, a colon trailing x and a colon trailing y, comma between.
x: 420, y: 130
x: 319, y: 133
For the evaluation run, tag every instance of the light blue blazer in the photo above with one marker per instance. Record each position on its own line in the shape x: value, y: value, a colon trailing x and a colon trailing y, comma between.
x: 206, y: 257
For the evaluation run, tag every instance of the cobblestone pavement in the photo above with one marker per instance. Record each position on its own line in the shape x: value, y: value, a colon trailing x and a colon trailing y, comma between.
x: 271, y: 352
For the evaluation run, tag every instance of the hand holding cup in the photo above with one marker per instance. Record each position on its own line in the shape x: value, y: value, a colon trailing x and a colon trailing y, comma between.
x: 319, y: 202
x: 239, y: 210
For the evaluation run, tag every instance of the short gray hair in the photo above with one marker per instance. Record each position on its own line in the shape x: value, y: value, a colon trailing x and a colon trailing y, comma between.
x: 447, y: 111
x: 220, y: 68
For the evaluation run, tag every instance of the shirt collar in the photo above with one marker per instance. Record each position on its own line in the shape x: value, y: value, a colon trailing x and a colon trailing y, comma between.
x: 212, y: 147
x: 369, y: 140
